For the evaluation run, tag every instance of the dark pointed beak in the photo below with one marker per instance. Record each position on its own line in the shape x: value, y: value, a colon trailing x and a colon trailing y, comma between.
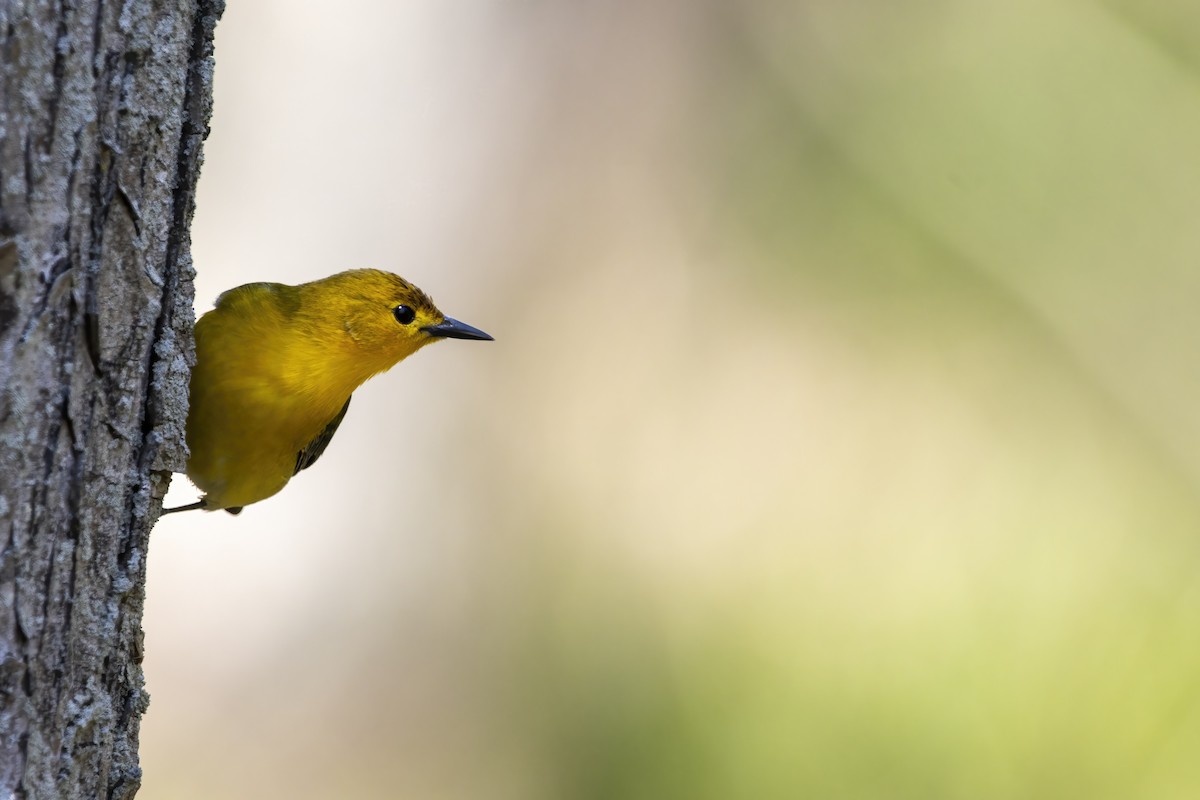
x: 453, y: 329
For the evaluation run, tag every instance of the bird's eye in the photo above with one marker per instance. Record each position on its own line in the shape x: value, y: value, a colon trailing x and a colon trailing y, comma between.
x: 404, y: 314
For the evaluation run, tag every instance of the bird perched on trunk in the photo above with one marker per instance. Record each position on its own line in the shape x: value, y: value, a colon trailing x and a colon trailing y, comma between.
x: 275, y: 368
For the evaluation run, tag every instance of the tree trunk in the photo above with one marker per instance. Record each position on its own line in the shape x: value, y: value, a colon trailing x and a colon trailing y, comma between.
x: 103, y: 109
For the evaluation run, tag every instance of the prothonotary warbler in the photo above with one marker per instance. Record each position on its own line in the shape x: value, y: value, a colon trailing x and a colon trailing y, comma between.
x: 275, y: 368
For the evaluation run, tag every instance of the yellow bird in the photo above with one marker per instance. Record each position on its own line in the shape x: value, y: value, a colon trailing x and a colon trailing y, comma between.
x: 275, y: 368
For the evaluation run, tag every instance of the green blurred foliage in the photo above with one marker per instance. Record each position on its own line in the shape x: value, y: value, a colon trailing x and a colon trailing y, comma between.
x: 983, y: 201
x: 840, y: 440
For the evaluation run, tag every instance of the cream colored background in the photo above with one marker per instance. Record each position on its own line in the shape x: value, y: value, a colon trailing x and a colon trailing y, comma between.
x: 839, y: 438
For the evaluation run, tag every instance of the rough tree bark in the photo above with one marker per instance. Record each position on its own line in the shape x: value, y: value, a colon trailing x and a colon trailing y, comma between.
x: 103, y: 109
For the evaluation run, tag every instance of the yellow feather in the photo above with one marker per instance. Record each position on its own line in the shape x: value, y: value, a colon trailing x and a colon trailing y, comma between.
x: 275, y: 365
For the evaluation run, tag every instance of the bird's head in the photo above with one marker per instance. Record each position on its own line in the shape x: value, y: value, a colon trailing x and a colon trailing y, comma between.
x: 384, y: 317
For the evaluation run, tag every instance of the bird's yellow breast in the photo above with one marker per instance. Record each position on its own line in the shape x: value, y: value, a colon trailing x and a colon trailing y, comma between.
x: 259, y: 394
x: 276, y: 365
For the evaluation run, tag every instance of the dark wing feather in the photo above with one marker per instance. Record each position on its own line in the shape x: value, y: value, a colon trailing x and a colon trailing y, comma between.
x: 312, y: 451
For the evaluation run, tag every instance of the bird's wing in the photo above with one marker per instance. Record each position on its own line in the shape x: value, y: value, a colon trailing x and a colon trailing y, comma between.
x: 312, y: 451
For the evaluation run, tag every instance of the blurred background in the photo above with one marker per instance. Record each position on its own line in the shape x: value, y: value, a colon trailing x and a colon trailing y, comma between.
x: 839, y: 438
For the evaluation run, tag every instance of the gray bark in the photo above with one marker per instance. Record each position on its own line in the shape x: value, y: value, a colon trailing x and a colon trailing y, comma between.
x: 103, y: 109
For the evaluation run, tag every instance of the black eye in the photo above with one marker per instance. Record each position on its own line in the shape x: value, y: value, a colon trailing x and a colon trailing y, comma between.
x: 404, y: 314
